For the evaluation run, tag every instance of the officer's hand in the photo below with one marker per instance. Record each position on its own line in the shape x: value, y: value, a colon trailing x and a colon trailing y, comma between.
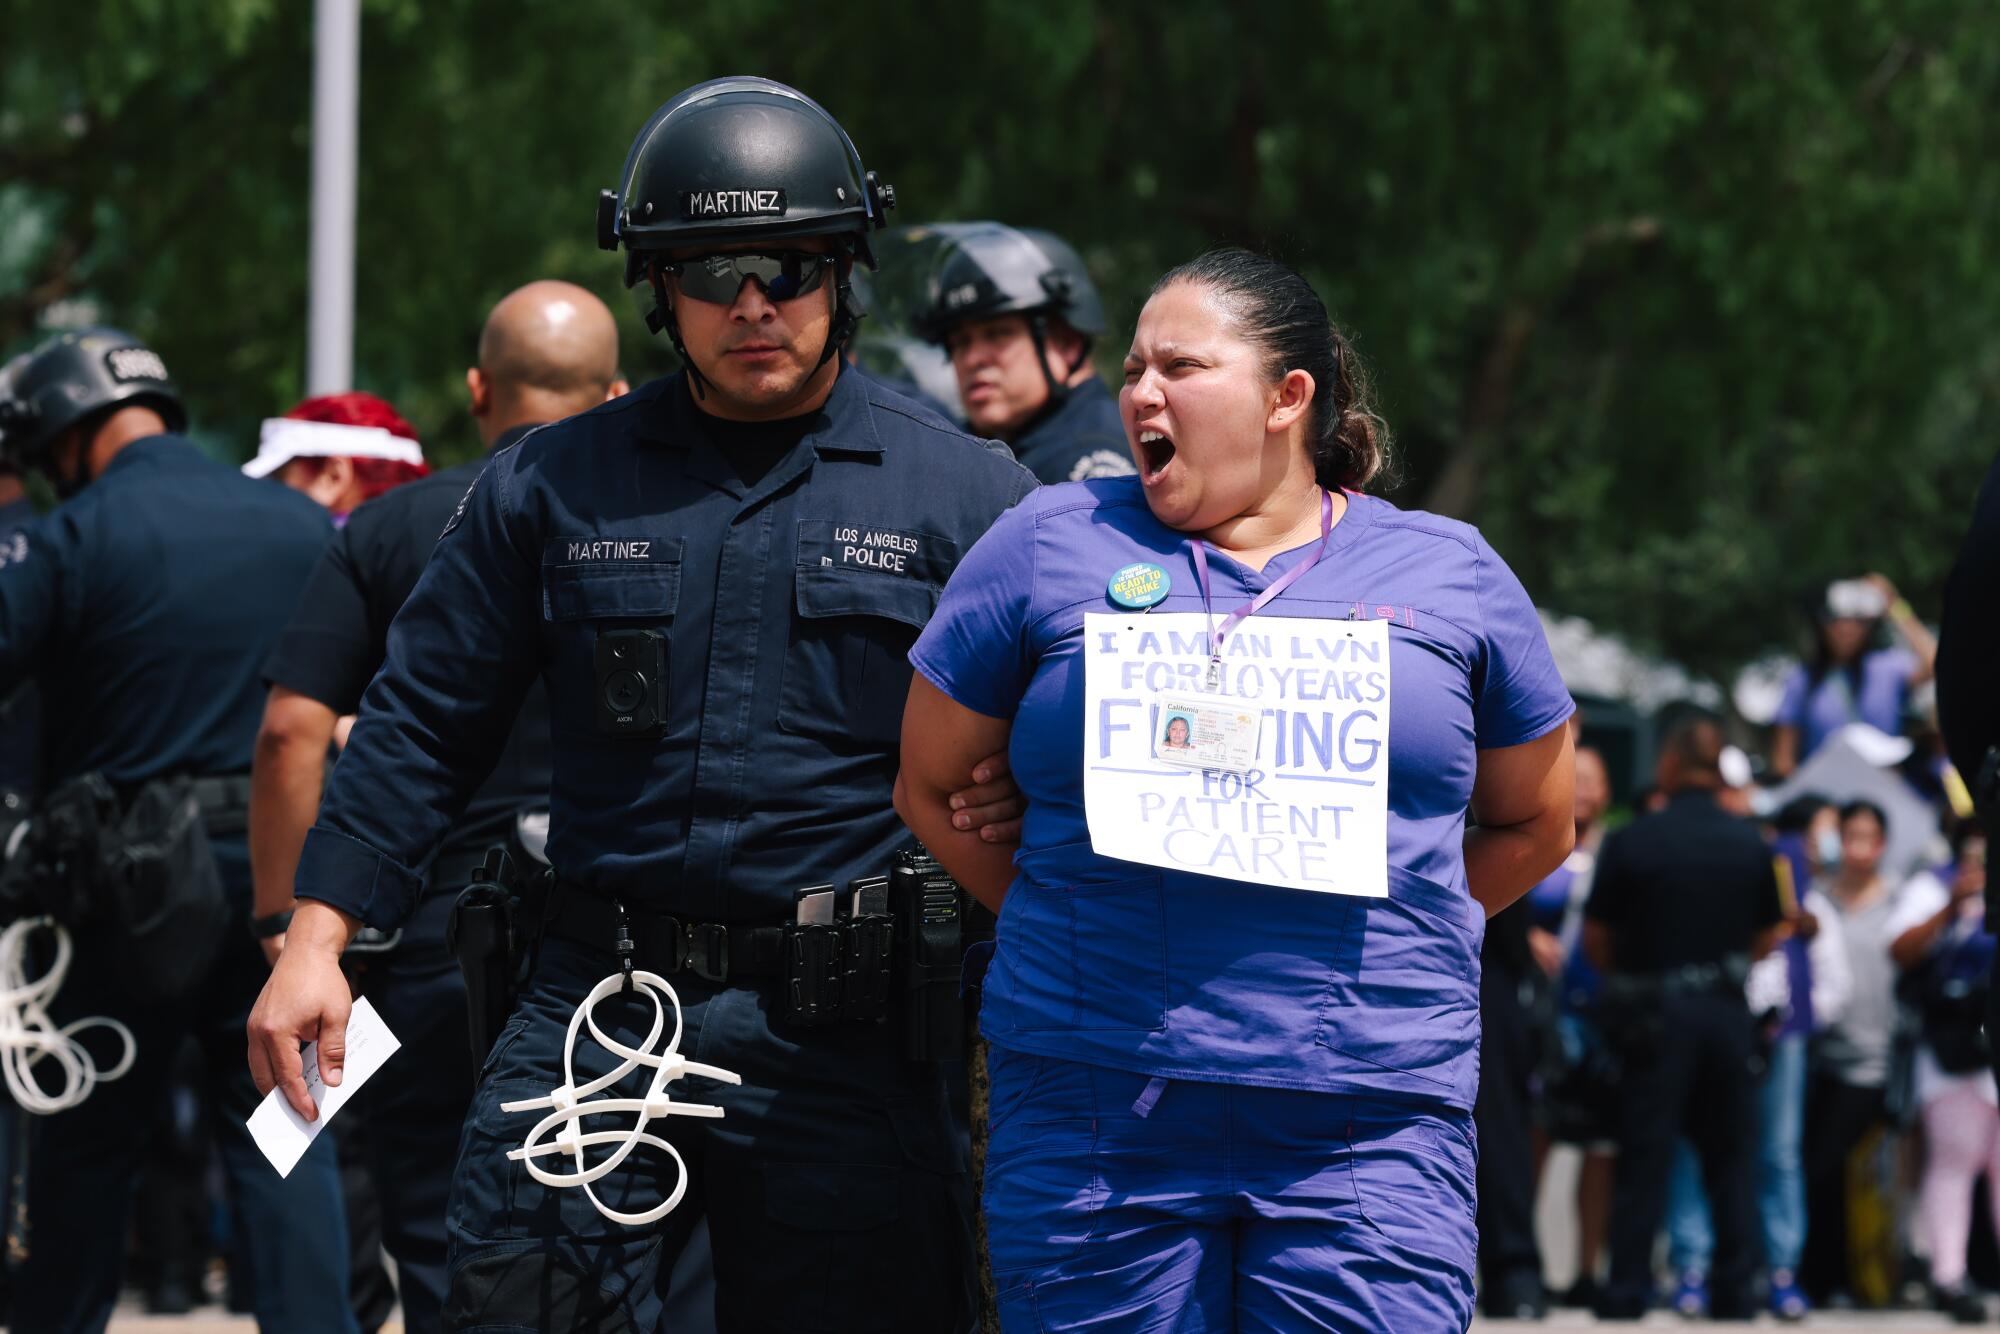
x: 272, y: 946
x: 306, y: 1000
x: 993, y: 805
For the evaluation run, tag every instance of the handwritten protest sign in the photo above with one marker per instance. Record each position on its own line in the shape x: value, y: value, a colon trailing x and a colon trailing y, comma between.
x: 1311, y: 813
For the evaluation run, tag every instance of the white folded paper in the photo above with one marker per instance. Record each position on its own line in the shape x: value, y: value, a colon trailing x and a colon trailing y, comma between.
x: 281, y: 1132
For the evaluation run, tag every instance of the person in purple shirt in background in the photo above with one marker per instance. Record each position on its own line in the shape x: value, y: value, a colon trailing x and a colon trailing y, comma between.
x: 1847, y: 681
x: 1233, y: 1014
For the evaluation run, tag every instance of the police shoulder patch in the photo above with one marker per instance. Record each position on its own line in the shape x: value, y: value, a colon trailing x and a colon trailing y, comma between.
x: 1102, y: 463
x: 464, y: 502
x: 14, y: 548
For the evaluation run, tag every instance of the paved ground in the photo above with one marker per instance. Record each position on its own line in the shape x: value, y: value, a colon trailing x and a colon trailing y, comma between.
x: 211, y: 1323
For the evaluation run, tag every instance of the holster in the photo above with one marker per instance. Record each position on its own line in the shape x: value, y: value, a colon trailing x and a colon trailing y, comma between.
x: 492, y: 924
x: 132, y: 872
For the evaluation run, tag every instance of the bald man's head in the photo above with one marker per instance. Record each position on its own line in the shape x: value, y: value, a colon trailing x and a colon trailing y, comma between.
x: 549, y: 350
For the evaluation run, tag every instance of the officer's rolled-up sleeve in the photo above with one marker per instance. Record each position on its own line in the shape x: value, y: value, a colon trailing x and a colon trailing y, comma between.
x: 461, y: 655
x: 976, y: 648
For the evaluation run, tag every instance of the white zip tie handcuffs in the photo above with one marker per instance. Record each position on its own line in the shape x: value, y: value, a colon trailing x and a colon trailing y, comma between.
x: 27, y: 1034
x: 568, y: 1105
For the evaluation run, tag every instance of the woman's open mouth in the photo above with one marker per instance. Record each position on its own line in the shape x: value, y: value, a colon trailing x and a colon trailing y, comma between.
x: 1156, y: 451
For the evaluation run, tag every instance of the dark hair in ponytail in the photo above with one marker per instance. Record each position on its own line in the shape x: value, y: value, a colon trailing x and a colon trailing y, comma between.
x: 1278, y: 312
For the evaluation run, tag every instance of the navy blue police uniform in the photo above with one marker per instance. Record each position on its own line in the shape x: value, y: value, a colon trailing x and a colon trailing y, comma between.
x: 20, y: 772
x: 1078, y: 436
x: 21, y: 710
x: 330, y: 651
x: 789, y: 575
x: 143, y: 608
x: 1685, y: 892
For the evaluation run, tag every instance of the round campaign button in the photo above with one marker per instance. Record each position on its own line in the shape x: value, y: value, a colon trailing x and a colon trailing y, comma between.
x: 1139, y: 585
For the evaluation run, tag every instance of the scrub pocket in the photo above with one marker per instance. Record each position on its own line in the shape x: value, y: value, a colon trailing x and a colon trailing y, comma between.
x: 1085, y: 958
x: 1404, y: 994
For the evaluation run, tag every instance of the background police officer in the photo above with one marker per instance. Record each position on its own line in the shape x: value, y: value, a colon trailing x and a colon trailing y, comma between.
x: 1016, y: 311
x: 548, y: 350
x: 758, y: 538
x: 1967, y: 701
x: 143, y: 607
x: 1684, y: 899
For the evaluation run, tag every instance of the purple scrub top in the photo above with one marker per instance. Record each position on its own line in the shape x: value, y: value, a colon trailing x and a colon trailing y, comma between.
x: 1188, y: 976
x: 1874, y: 696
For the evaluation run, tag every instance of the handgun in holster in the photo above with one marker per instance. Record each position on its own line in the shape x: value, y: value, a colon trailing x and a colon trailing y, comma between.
x: 926, y: 902
x: 485, y: 933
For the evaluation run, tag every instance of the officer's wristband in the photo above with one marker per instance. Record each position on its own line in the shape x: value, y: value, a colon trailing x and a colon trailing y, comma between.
x: 275, y: 925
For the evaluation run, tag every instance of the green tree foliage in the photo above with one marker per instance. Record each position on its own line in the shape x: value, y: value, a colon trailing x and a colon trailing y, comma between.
x: 1689, y: 305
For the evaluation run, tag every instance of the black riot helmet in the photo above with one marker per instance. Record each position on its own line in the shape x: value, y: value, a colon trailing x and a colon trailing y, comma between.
x: 76, y: 376
x: 733, y: 160
x: 986, y: 269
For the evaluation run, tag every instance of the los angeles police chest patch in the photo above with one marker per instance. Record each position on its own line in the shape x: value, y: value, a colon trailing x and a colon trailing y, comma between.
x: 732, y: 203
x: 833, y: 544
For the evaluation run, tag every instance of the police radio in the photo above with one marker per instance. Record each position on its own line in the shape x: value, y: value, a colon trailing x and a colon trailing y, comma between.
x: 631, y: 683
x: 926, y: 900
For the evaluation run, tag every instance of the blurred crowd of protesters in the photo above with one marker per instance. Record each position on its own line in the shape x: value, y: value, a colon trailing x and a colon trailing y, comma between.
x: 1752, y: 1001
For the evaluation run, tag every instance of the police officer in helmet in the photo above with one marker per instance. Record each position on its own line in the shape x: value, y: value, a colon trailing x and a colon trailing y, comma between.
x: 1016, y: 311
x: 717, y: 578
x: 142, y: 607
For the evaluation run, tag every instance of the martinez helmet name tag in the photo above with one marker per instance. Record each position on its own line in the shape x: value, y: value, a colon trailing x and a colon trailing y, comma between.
x: 1139, y: 585
x: 732, y: 203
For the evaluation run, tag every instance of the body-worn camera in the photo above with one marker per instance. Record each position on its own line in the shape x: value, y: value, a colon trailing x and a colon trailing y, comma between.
x: 631, y: 683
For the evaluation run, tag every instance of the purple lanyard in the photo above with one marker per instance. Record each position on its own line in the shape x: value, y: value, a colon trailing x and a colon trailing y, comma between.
x: 1263, y: 599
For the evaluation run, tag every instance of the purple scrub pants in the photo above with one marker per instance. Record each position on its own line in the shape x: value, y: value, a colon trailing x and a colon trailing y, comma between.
x: 1119, y: 1202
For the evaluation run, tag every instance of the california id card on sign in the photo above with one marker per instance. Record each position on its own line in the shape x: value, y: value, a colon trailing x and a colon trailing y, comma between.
x: 1310, y: 812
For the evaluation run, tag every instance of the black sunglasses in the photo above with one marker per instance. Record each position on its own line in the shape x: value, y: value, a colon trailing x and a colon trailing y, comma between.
x: 783, y: 274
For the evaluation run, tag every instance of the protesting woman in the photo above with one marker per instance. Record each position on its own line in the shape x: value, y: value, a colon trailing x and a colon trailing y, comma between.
x: 1233, y: 1012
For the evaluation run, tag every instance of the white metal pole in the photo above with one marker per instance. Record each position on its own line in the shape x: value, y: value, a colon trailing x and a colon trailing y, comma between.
x: 336, y: 112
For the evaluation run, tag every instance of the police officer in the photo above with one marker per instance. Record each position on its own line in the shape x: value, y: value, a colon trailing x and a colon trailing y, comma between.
x: 20, y: 711
x: 1016, y: 311
x: 20, y: 762
x: 717, y: 578
x: 1968, y: 705
x: 142, y: 607
x: 548, y: 350
x: 1684, y: 900
x: 1512, y: 989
